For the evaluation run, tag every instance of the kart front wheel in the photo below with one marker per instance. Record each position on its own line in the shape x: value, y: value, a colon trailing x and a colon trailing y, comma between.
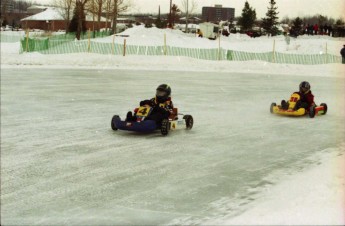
x: 113, y: 120
x: 324, y: 108
x: 165, y: 127
x: 272, y: 106
x: 189, y: 121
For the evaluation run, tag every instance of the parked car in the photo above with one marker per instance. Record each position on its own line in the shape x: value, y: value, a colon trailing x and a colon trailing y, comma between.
x: 225, y: 32
x: 253, y: 34
x: 7, y: 28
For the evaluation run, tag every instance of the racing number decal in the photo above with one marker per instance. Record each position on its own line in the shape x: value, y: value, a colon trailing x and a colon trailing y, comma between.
x: 143, y: 111
x: 293, y: 100
x: 294, y: 97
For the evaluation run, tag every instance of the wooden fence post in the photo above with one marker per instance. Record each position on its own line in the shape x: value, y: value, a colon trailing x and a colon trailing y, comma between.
x: 274, y: 51
x: 219, y: 46
x: 88, y: 44
x: 124, y: 47
x: 165, y: 44
x: 27, y: 40
x: 113, y: 45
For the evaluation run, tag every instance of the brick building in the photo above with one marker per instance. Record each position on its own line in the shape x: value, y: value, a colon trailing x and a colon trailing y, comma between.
x: 217, y: 13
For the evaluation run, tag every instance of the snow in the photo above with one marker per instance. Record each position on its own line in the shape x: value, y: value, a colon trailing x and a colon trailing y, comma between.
x: 248, y: 169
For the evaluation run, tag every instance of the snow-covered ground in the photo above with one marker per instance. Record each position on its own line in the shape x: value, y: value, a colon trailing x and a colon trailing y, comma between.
x: 62, y: 164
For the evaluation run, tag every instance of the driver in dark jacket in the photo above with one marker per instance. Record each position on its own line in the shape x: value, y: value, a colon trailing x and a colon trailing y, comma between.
x: 307, y: 98
x: 161, y: 104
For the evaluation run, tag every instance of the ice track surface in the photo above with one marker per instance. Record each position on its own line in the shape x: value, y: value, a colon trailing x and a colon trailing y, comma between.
x: 61, y: 163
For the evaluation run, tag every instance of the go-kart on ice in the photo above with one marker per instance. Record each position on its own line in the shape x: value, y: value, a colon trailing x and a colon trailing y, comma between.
x: 144, y: 124
x: 294, y: 110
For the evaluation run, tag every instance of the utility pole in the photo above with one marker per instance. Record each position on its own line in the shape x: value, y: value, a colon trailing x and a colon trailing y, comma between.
x: 187, y: 18
x: 170, y: 25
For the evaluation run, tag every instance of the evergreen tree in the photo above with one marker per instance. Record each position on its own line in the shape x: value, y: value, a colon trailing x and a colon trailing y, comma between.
x: 297, y: 27
x: 175, y: 14
x: 159, y: 23
x: 269, y: 23
x: 247, y: 20
x: 78, y: 20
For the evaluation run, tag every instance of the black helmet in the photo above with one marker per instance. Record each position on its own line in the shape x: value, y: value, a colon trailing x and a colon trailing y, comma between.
x: 162, y: 93
x: 304, y: 87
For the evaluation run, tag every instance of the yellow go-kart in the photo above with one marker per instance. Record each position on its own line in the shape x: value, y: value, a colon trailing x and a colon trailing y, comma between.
x: 292, y: 111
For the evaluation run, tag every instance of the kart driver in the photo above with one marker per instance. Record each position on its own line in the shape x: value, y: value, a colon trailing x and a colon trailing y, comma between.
x: 161, y: 104
x: 307, y: 98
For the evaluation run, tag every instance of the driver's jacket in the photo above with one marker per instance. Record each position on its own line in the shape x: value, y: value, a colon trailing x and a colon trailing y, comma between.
x: 167, y: 105
x: 307, y: 98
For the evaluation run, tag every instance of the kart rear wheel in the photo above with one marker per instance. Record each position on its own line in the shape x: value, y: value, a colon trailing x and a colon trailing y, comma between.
x: 272, y: 106
x: 312, y: 111
x: 165, y: 127
x: 189, y: 121
x: 115, y: 118
x: 324, y: 108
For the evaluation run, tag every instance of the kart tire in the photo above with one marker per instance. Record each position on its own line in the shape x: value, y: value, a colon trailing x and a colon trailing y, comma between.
x: 272, y: 106
x: 165, y: 127
x: 312, y: 112
x: 115, y: 118
x: 324, y: 108
x: 189, y: 121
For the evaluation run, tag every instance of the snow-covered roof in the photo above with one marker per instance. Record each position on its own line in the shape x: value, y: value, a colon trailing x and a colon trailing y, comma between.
x: 190, y: 18
x: 125, y: 18
x: 89, y: 17
x: 37, y: 7
x: 52, y: 13
x: 48, y: 14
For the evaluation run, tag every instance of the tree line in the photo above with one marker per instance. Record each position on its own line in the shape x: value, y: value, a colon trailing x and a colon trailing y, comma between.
x: 269, y: 23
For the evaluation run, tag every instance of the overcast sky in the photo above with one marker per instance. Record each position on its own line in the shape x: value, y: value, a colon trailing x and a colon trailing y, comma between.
x: 291, y: 8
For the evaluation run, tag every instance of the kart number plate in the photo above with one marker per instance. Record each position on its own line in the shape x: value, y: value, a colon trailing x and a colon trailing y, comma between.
x: 144, y: 111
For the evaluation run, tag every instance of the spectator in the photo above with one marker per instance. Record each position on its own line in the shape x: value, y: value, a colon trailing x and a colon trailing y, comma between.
x: 316, y: 29
x: 342, y: 52
x: 330, y: 30
x: 310, y: 30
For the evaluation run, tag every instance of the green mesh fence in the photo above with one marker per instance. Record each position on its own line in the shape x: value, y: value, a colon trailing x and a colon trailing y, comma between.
x: 31, y: 45
x: 64, y: 44
x: 9, y: 37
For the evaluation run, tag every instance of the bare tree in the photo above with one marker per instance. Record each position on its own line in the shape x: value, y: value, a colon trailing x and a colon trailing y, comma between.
x: 100, y: 4
x: 118, y: 6
x: 188, y: 7
x: 107, y: 9
x: 4, y: 4
x: 65, y: 8
x: 95, y: 7
x: 91, y: 8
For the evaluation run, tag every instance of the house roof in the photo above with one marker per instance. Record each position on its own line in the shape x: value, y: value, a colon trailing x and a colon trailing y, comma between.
x: 52, y: 13
x: 37, y: 7
x: 48, y: 14
x: 190, y: 18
